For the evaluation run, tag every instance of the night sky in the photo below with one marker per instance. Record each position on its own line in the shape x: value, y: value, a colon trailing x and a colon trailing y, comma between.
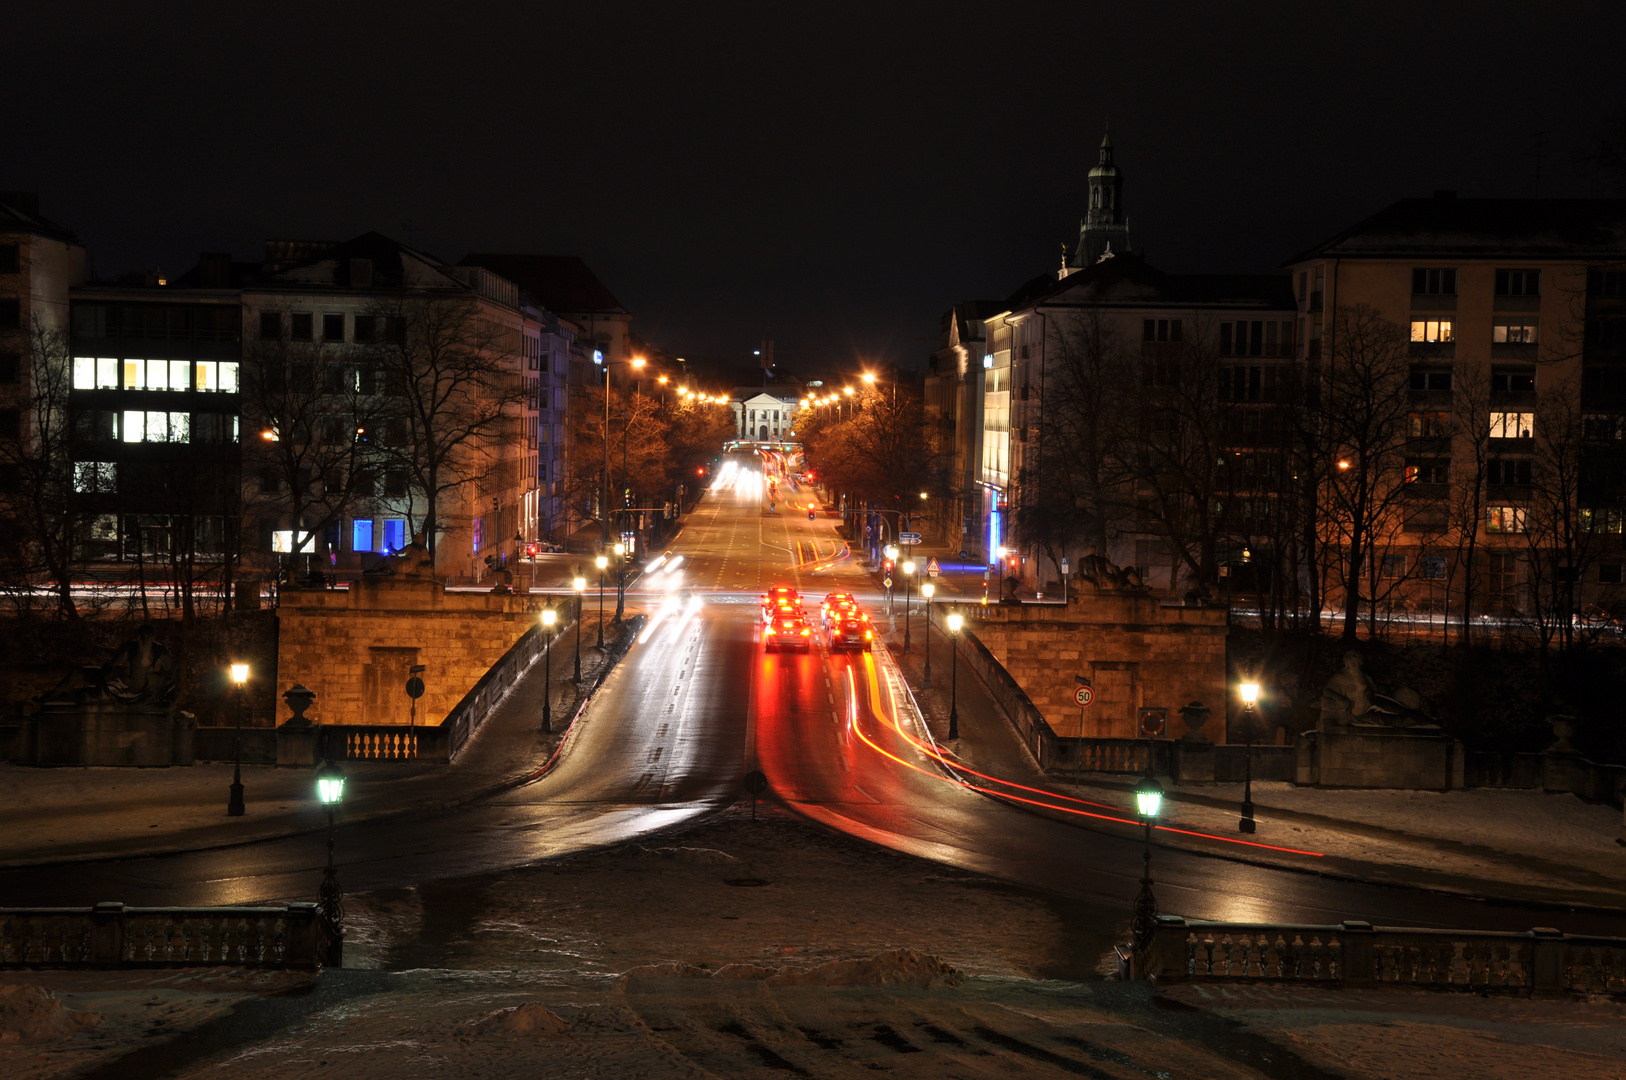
x: 835, y: 175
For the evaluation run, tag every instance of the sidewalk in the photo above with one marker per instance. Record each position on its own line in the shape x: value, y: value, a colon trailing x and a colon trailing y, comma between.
x: 1528, y: 846
x: 78, y: 814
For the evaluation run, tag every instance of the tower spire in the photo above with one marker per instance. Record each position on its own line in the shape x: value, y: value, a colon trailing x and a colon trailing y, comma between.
x: 1105, y: 228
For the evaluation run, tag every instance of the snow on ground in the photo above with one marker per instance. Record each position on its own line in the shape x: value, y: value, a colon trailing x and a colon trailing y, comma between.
x: 765, y: 949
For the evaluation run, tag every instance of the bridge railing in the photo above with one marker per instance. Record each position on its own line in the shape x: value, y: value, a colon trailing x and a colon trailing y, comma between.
x: 1541, y: 961
x: 112, y: 935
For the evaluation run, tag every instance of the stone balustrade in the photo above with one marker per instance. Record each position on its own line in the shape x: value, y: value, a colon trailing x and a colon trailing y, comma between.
x: 111, y: 935
x: 1541, y: 961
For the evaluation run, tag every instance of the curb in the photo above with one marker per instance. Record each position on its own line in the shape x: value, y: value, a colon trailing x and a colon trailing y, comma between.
x: 614, y: 655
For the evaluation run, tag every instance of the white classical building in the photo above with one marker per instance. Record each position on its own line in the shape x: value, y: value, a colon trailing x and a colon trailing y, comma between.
x: 764, y: 415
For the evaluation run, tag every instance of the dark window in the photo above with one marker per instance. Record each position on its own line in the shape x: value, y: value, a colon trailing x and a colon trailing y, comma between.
x: 271, y: 325
x: 1431, y: 567
x: 300, y: 326
x: 1428, y: 425
x: 333, y: 379
x: 394, y: 329
x: 8, y: 258
x: 270, y: 480
x: 1433, y: 281
x: 1609, y: 573
x: 1430, y: 378
x: 1160, y: 330
x: 11, y: 423
x: 333, y: 326
x: 1507, y: 471
x: 1605, y: 283
x: 11, y: 314
x: 96, y: 425
x: 395, y: 485
x: 1513, y: 382
x: 1518, y: 283
x: 1148, y: 330
x: 11, y: 477
x: 11, y: 368
x: 1428, y: 471
x: 366, y: 329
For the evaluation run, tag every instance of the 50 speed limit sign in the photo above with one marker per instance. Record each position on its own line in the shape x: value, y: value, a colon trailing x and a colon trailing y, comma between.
x: 1082, y: 696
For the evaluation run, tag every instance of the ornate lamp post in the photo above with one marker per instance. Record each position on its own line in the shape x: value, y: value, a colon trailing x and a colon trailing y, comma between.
x: 1250, y: 698
x: 548, y: 616
x: 955, y: 621
x: 603, y: 561
x: 330, y: 790
x: 580, y: 585
x: 908, y: 595
x: 927, y: 589
x: 234, y: 800
x: 1148, y: 803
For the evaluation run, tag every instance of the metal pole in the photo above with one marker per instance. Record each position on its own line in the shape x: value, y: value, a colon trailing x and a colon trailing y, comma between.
x: 331, y: 896
x: 578, y: 676
x: 547, y: 687
x: 621, y: 585
x: 908, y: 582
x: 926, y: 684
x: 234, y: 802
x: 1145, y: 920
x: 601, y: 610
x: 1247, y: 823
x: 954, y: 686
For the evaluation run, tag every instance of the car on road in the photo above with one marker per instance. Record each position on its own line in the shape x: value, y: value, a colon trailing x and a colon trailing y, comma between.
x: 778, y: 599
x: 788, y: 632
x: 850, y: 633
x: 838, y: 602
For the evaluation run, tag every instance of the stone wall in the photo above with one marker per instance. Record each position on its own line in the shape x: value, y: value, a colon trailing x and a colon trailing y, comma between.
x: 353, y: 648
x: 1380, y: 759
x: 1138, y: 651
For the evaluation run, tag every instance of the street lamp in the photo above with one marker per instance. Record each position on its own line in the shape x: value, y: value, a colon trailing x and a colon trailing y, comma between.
x: 234, y: 800
x: 602, y: 561
x: 330, y: 790
x: 927, y: 589
x: 1148, y: 802
x: 908, y: 594
x: 1250, y: 698
x: 548, y: 616
x: 955, y: 621
x: 580, y: 584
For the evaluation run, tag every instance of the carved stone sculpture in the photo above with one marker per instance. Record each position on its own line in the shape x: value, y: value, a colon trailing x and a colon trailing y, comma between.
x: 141, y: 672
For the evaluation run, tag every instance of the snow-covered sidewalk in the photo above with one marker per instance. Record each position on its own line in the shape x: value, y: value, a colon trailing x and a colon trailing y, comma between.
x: 759, y: 949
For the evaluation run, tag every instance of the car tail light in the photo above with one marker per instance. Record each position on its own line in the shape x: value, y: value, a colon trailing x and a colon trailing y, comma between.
x: 868, y: 634
x: 804, y: 631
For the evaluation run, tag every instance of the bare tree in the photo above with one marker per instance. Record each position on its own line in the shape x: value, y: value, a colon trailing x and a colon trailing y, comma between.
x: 37, y: 477
x: 1563, y: 540
x: 1362, y: 431
x: 451, y: 387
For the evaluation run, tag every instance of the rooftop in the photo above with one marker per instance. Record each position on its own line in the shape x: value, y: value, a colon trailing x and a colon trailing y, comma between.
x: 561, y: 283
x: 1447, y: 226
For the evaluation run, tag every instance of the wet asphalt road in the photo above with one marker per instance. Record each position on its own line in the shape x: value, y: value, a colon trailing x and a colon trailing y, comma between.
x: 694, y: 706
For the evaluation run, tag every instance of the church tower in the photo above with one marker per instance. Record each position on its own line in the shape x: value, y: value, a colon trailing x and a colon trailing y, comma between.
x: 1105, y: 227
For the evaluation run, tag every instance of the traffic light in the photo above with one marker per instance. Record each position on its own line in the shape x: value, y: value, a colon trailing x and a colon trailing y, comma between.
x: 530, y: 551
x: 886, y: 564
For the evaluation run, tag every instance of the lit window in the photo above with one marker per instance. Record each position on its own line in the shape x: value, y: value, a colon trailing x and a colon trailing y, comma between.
x: 84, y: 373
x: 217, y: 377
x: 1514, y: 334
x: 134, y: 426
x: 361, y: 535
x: 1512, y: 425
x: 1436, y: 331
x: 1602, y: 521
x: 92, y: 476
x: 1504, y: 519
x: 394, y: 534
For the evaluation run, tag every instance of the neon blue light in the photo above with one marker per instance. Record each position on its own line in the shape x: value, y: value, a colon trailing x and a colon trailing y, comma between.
x: 361, y: 535
x: 993, y: 537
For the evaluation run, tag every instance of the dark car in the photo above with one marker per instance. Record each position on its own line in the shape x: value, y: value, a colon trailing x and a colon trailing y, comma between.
x: 788, y: 632
x: 849, y: 633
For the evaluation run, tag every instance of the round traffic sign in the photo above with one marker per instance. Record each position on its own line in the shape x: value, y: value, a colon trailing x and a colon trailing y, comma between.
x: 755, y: 782
x: 1082, y: 696
x: 414, y: 687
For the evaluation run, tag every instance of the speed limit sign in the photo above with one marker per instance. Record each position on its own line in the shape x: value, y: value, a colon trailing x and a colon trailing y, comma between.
x: 1082, y: 696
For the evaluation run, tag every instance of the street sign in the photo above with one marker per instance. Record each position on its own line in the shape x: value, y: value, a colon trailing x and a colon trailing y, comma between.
x: 1152, y: 722
x: 908, y: 538
x: 932, y: 568
x: 887, y: 583
x: 414, y: 688
x: 1082, y: 696
x: 1065, y: 566
x: 755, y: 782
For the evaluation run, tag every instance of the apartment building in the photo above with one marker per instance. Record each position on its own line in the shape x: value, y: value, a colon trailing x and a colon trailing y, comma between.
x: 1508, y: 480
x: 954, y: 414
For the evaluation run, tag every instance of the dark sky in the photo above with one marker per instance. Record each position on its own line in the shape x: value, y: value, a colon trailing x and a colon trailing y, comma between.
x: 836, y: 175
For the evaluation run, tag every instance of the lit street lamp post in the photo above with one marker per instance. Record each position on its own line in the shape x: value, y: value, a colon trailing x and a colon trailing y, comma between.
x: 908, y: 595
x: 1250, y: 697
x: 603, y: 561
x: 548, y: 615
x: 926, y: 590
x: 581, y: 587
x: 621, y: 580
x: 955, y: 621
x: 234, y: 800
x: 1148, y: 801
x: 330, y: 790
